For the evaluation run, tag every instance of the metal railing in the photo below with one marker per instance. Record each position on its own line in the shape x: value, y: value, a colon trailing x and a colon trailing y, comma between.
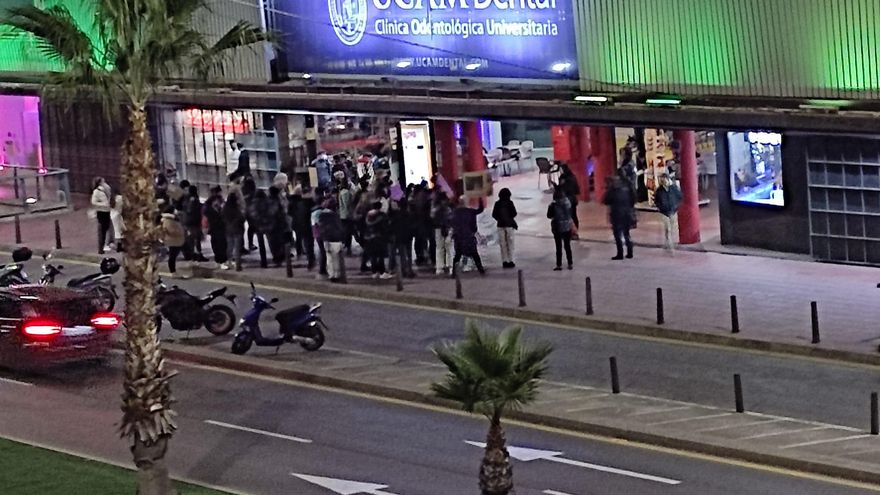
x: 27, y: 189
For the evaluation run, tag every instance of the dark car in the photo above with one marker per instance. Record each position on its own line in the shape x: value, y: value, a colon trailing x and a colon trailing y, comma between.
x: 41, y: 326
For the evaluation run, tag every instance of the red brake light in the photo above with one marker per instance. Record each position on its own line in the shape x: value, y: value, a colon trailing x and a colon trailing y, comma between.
x: 105, y: 321
x: 41, y: 329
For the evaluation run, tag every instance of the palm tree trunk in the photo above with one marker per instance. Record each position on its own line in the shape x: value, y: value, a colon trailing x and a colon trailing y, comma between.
x: 496, y: 473
x: 148, y: 420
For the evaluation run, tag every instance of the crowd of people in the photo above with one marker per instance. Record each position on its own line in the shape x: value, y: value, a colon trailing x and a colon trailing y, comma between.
x: 413, y: 226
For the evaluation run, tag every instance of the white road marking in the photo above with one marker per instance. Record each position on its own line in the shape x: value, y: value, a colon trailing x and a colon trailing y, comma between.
x: 819, y: 442
x: 554, y: 492
x: 685, y: 420
x: 258, y: 432
x: 784, y: 432
x: 16, y: 382
x: 345, y: 487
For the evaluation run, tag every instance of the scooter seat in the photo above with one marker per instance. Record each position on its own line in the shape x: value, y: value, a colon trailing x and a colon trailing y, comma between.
x: 81, y: 280
x: 293, y: 316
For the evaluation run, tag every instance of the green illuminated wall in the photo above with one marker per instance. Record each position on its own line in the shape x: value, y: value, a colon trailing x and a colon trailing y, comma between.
x: 17, y: 53
x: 789, y: 48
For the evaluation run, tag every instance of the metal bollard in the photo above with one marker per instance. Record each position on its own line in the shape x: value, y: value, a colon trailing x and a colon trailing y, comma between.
x: 661, y: 318
x: 522, y: 288
x: 458, y: 292
x: 814, y: 318
x: 17, y: 230
x: 875, y: 415
x: 589, y: 296
x: 57, y: 234
x: 343, y: 277
x: 734, y: 315
x: 738, y: 393
x: 615, y: 378
x: 400, y: 272
x: 288, y: 261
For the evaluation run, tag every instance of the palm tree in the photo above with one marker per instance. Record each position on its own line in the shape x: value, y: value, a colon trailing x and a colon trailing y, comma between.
x: 136, y: 46
x: 490, y: 374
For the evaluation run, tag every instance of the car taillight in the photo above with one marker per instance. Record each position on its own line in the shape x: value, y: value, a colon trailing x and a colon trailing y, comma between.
x: 41, y: 329
x: 105, y: 321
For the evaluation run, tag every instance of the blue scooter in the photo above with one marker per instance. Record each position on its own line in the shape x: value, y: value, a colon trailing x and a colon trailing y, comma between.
x: 298, y: 325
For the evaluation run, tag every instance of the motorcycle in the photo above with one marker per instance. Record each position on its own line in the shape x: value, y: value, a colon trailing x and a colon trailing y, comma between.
x: 186, y: 312
x: 99, y: 285
x: 297, y: 325
x: 13, y: 273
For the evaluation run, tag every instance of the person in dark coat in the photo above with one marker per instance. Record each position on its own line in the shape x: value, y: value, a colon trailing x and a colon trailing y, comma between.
x: 621, y: 199
x: 212, y: 211
x: 248, y: 189
x: 464, y: 235
x: 376, y: 239
x: 279, y: 233
x: 569, y: 184
x: 559, y: 213
x: 233, y: 223
x: 403, y: 226
x: 333, y: 235
x: 301, y: 214
x: 260, y: 216
x: 504, y: 213
x: 193, y: 223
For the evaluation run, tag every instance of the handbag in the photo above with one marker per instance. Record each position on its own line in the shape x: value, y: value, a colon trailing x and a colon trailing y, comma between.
x: 92, y: 214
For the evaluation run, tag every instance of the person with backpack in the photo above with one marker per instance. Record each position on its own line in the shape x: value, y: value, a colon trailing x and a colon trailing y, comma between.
x: 559, y: 213
x: 667, y: 198
x: 504, y: 213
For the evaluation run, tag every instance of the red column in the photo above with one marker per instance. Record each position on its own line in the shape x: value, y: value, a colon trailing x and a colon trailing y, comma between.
x: 561, y: 143
x: 474, y: 160
x: 605, y: 157
x: 689, y: 212
x: 580, y: 152
x: 444, y: 132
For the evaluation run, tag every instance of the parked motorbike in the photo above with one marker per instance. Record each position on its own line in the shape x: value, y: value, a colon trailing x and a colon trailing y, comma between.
x: 99, y: 285
x: 298, y: 325
x: 13, y: 273
x: 186, y: 312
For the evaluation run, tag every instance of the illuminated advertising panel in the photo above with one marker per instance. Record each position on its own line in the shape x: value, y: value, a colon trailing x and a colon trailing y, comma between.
x: 756, y: 167
x: 528, y: 39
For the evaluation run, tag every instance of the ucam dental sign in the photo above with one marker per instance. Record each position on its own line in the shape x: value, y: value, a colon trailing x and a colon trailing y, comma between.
x: 529, y: 39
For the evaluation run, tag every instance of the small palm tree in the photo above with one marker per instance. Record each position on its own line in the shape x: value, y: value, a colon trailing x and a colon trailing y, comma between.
x: 137, y: 46
x: 490, y: 374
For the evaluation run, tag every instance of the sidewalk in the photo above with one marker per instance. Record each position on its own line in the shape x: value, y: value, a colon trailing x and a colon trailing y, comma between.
x: 773, y: 440
x: 773, y: 295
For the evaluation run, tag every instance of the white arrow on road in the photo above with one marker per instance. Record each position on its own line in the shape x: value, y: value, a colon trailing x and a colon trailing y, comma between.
x: 345, y: 487
x: 527, y: 455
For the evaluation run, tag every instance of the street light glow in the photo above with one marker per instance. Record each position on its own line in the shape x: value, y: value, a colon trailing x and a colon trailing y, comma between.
x: 591, y: 99
x: 473, y: 66
x: 561, y: 66
x: 403, y: 64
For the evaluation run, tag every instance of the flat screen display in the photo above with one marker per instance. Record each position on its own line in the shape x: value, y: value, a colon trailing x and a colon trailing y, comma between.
x: 415, y: 136
x: 527, y: 39
x: 756, y: 167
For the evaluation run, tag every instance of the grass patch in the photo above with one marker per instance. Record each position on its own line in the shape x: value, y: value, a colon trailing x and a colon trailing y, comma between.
x: 27, y: 470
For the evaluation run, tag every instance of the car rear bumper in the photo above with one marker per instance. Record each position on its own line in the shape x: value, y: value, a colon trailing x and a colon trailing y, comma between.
x: 37, y: 355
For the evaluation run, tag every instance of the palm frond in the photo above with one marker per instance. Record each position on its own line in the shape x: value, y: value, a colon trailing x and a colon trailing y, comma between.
x: 490, y: 372
x: 56, y: 33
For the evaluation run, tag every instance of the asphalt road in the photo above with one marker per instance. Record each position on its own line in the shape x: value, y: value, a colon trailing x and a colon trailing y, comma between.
x: 315, y: 432
x: 803, y: 388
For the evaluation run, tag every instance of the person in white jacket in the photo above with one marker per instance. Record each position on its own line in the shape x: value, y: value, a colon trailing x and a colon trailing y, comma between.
x: 116, y: 220
x: 101, y: 210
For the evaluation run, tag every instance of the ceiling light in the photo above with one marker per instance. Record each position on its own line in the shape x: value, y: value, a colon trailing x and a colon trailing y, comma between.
x: 560, y: 66
x: 403, y: 64
x: 306, y: 76
x: 663, y: 101
x: 591, y: 99
x: 473, y: 66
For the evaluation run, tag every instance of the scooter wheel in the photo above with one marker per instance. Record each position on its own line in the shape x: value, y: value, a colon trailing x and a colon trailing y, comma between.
x: 317, y: 338
x: 104, y: 298
x: 242, y: 343
x: 220, y: 319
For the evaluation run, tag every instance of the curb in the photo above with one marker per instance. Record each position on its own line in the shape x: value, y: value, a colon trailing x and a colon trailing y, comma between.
x: 613, y: 326
x: 242, y: 364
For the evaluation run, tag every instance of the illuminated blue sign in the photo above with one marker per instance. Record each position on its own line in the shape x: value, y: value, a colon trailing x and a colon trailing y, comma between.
x: 531, y: 39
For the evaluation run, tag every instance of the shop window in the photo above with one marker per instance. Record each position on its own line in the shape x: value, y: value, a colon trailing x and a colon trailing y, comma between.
x: 872, y: 202
x: 854, y: 201
x: 835, y: 175
x: 852, y: 176
x: 872, y: 252
x: 855, y: 251
x: 872, y: 227
x: 820, y: 223
x: 819, y: 199
x: 817, y: 173
x: 855, y: 226
x: 821, y: 249
x: 871, y: 177
x: 756, y: 167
